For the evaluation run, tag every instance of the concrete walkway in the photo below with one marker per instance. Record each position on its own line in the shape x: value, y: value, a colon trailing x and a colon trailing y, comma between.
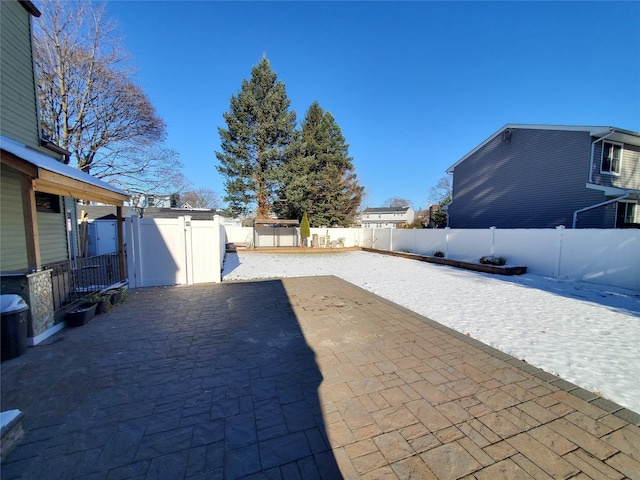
x: 297, y: 378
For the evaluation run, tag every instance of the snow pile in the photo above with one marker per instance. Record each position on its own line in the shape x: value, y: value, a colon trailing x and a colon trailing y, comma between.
x: 586, y: 334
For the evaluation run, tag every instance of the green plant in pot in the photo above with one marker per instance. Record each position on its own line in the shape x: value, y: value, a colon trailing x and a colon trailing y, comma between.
x: 103, y: 301
x: 118, y: 295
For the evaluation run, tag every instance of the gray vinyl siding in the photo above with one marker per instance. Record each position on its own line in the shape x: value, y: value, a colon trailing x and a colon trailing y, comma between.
x: 629, y: 169
x: 18, y: 115
x: 535, y: 180
x: 13, y: 249
x: 601, y: 217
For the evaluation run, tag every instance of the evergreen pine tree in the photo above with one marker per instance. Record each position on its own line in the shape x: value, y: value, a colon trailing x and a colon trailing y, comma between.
x: 321, y: 179
x: 260, y: 138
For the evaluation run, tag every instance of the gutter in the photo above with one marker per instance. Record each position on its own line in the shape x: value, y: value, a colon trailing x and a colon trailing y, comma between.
x: 575, y: 214
x: 593, y: 149
x: 66, y: 154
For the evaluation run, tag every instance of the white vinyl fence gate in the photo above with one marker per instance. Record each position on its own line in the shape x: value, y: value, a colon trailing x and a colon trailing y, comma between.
x: 174, y: 251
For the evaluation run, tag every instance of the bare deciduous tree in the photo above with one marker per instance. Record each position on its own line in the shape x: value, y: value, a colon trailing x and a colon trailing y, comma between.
x: 143, y: 169
x: 397, y: 202
x: 441, y: 192
x: 89, y: 104
x: 202, y: 197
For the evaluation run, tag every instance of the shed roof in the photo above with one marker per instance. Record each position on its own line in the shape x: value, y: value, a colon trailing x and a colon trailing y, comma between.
x: 275, y: 222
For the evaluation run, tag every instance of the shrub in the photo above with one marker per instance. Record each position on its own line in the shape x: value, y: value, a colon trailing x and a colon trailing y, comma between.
x: 124, y: 293
x: 438, y: 254
x: 305, y: 228
x: 491, y: 260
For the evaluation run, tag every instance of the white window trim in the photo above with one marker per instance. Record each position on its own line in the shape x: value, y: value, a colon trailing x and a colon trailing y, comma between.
x: 605, y: 172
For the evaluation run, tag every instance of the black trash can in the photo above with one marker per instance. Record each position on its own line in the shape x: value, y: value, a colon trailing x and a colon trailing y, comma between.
x: 14, y: 312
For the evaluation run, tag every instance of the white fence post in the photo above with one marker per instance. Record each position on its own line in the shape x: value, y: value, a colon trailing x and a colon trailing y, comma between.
x: 556, y: 267
x: 129, y: 251
x: 185, y: 223
x: 446, y: 242
x: 222, y: 248
x: 136, y: 255
x: 493, y: 240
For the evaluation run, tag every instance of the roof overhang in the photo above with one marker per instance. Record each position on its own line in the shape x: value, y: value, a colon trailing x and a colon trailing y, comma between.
x: 618, y: 135
x: 50, y: 176
x: 615, y: 192
x: 614, y: 134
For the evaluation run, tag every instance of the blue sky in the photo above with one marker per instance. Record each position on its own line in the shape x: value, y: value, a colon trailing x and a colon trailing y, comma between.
x: 413, y: 85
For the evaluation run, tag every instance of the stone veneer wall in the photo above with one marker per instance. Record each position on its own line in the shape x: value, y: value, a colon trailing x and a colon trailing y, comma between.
x: 37, y: 290
x: 40, y: 302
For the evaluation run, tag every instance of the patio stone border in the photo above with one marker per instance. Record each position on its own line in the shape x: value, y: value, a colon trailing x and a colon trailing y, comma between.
x: 579, y: 392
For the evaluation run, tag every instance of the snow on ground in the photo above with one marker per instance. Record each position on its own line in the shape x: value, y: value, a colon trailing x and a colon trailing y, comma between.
x: 586, y: 334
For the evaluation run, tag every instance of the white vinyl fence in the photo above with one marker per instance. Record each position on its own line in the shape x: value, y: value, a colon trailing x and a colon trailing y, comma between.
x: 174, y: 251
x: 609, y: 257
x: 603, y: 256
x: 185, y: 251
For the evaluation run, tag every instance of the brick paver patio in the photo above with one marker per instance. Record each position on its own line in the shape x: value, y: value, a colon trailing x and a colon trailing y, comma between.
x: 297, y: 378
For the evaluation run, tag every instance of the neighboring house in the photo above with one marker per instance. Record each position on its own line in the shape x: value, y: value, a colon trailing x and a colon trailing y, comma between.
x: 108, y: 212
x: 544, y: 176
x: 158, y: 200
x: 38, y: 190
x: 387, y: 217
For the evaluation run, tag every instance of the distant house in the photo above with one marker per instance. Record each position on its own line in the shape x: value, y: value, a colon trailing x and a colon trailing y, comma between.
x: 38, y: 190
x: 387, y: 217
x: 544, y: 176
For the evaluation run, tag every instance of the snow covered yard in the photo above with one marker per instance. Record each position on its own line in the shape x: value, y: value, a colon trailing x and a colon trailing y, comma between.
x: 586, y: 334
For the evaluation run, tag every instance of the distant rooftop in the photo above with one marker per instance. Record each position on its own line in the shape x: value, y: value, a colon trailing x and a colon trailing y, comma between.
x: 385, y: 209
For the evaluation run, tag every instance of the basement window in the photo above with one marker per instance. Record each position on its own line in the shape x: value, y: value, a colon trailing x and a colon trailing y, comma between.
x: 611, y: 158
x: 47, y: 202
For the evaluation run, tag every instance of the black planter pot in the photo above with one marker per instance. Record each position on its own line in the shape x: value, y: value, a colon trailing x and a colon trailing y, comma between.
x: 101, y: 306
x: 81, y: 314
x: 116, y: 297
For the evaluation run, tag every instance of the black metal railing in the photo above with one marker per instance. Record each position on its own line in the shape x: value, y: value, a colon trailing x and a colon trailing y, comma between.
x: 74, y: 279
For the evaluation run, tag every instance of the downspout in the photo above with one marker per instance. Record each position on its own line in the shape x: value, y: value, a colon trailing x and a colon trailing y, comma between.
x: 575, y: 214
x: 593, y: 149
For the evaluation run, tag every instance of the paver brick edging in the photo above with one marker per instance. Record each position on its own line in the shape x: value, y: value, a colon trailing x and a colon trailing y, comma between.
x: 476, y: 267
x: 590, y: 397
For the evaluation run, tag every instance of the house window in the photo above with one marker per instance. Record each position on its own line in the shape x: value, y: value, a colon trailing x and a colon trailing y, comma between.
x: 611, y: 158
x: 48, y: 203
x: 626, y: 213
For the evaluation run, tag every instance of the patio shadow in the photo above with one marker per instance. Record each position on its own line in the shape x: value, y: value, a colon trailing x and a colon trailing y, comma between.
x: 213, y: 381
